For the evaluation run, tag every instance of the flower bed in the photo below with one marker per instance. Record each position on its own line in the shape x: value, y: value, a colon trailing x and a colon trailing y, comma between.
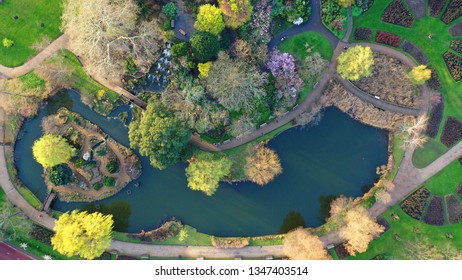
x: 454, y: 64
x: 397, y: 13
x: 417, y: 7
x: 435, y: 212
x: 452, y: 132
x: 387, y: 38
x: 414, y: 205
x: 436, y: 117
x: 456, y: 30
x: 341, y: 251
x: 454, y: 209
x: 415, y: 52
x: 456, y: 45
x: 459, y: 191
x: 434, y: 81
x: 41, y: 234
x: 453, y: 11
x: 363, y: 34
x: 435, y: 7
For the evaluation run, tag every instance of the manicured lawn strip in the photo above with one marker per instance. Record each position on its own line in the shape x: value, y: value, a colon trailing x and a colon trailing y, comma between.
x: 296, y: 45
x: 404, y: 228
x: 27, y: 29
x: 398, y: 154
x: 447, y: 180
x: 428, y: 153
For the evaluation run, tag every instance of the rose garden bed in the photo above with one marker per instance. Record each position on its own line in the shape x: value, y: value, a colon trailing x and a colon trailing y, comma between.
x: 452, y: 132
x: 435, y: 7
x: 454, y: 64
x: 456, y: 45
x: 414, y: 205
x: 397, y: 13
x: 415, y: 52
x: 454, y: 208
x: 435, y: 212
x: 453, y: 11
x: 436, y: 116
x: 387, y: 38
x: 363, y: 34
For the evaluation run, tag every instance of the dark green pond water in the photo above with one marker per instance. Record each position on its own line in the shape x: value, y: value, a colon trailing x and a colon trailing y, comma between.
x: 336, y: 156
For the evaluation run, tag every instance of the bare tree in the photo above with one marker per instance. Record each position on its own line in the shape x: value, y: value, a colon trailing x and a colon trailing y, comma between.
x: 299, y: 244
x: 107, y: 32
x: 413, y: 131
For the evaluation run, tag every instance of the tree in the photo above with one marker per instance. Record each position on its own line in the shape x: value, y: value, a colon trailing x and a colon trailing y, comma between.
x: 180, y: 49
x: 206, y: 170
x: 263, y: 166
x: 51, y: 150
x: 209, y: 19
x: 204, y: 69
x: 288, y: 81
x: 158, y: 135
x: 82, y: 234
x: 345, y: 3
x: 236, y: 12
x: 106, y: 33
x: 422, y: 249
x: 413, y: 132
x: 338, y: 209
x: 7, y: 43
x: 170, y: 10
x: 204, y: 45
x: 13, y: 222
x: 355, y: 63
x: 235, y: 84
x: 299, y: 244
x: 60, y: 174
x: 261, y: 22
x: 419, y: 75
x: 360, y: 230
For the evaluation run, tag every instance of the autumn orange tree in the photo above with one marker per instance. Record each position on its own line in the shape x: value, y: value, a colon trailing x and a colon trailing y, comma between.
x: 263, y: 166
x: 299, y: 244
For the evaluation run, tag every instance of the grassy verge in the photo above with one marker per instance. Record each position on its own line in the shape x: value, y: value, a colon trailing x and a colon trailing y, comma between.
x: 26, y: 22
x: 398, y: 154
x: 428, y: 153
x: 40, y: 249
x: 447, y: 180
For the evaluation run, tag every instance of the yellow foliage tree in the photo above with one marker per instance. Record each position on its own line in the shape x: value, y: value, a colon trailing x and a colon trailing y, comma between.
x: 302, y: 245
x: 263, y: 166
x: 360, y: 230
x: 51, y: 150
x: 82, y: 234
x: 345, y: 3
x: 419, y: 74
x: 236, y: 12
x: 355, y: 63
x: 204, y: 69
x: 209, y: 19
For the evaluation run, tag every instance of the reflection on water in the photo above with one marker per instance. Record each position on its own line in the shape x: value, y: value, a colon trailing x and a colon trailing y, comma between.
x: 120, y: 211
x: 292, y: 221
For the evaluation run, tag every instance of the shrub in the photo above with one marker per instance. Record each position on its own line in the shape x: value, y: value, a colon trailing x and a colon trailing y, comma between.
x: 109, y: 181
x: 435, y: 212
x: 454, y: 64
x: 341, y: 251
x: 415, y: 52
x: 170, y: 10
x: 205, y: 46
x: 454, y: 209
x: 167, y: 230
x: 101, y: 150
x: 333, y: 16
x: 363, y: 34
x: 364, y: 4
x: 41, y: 234
x: 60, y: 174
x: 453, y: 11
x: 414, y: 205
x: 387, y: 38
x: 97, y: 186
x: 436, y: 117
x: 397, y: 13
x: 435, y: 7
x: 230, y: 242
x: 456, y: 45
x: 180, y: 49
x: 79, y: 162
x: 112, y: 166
x: 7, y: 43
x: 452, y: 132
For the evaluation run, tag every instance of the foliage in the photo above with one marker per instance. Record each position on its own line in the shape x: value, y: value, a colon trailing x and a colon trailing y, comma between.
x: 454, y: 64
x: 41, y: 234
x: 419, y: 75
x: 234, y: 83
x: 204, y: 45
x: 345, y: 3
x: 435, y: 7
x: 209, y: 19
x: 288, y: 81
x: 421, y: 248
x: 236, y: 12
x: 453, y: 11
x: 436, y: 116
x: 230, y: 242
x: 206, y: 170
x: 97, y: 186
x: 452, y: 132
x: 302, y: 245
x: 204, y: 69
x: 337, y: 212
x: 292, y: 10
x: 363, y: 34
x: 79, y: 162
x: 183, y: 234
x: 333, y: 16
x: 13, y: 221
x: 387, y: 38
x: 414, y: 205
x: 7, y: 43
x: 456, y: 45
x: 130, y: 67
x: 79, y: 233
x: 397, y: 13
x: 112, y: 166
x: 435, y: 212
x: 355, y: 63
x: 158, y: 135
x: 109, y: 182
x: 261, y: 22
x: 60, y: 174
x: 263, y: 166
x: 180, y: 49
x: 51, y: 150
x: 360, y: 230
x: 170, y: 10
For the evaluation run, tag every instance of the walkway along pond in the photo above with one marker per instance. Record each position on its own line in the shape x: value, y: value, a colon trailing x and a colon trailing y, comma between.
x: 337, y: 156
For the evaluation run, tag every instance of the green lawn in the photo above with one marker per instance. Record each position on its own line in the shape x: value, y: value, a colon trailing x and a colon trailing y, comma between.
x: 409, y: 230
x: 428, y: 153
x: 398, y: 154
x: 434, y: 48
x: 447, y: 180
x: 297, y: 45
x: 27, y: 28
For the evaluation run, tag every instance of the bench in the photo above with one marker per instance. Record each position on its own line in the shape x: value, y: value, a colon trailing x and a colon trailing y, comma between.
x: 182, y: 32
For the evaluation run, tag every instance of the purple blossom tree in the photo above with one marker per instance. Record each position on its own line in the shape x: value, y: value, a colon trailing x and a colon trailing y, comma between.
x: 288, y: 81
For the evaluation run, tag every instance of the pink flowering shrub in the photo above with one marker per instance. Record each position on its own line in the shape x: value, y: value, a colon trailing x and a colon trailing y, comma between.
x: 282, y: 66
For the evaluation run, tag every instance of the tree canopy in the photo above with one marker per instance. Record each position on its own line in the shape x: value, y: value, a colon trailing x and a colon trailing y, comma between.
x: 209, y: 19
x: 51, y: 150
x: 159, y: 135
x: 419, y: 74
x: 236, y: 12
x: 206, y: 170
x: 205, y: 46
x: 263, y: 166
x: 355, y: 63
x: 299, y: 244
x: 82, y: 234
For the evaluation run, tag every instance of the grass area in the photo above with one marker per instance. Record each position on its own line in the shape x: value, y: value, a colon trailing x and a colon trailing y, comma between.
x: 434, y: 47
x: 303, y: 45
x: 88, y: 87
x: 398, y: 154
x: 446, y: 181
x: 40, y: 249
x: 428, y: 153
x: 410, y: 231
x: 35, y: 19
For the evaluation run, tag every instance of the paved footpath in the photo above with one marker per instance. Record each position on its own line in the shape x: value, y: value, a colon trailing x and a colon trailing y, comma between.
x: 8, y: 252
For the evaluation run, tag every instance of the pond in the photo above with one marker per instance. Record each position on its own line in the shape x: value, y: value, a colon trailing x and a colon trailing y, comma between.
x: 336, y: 156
